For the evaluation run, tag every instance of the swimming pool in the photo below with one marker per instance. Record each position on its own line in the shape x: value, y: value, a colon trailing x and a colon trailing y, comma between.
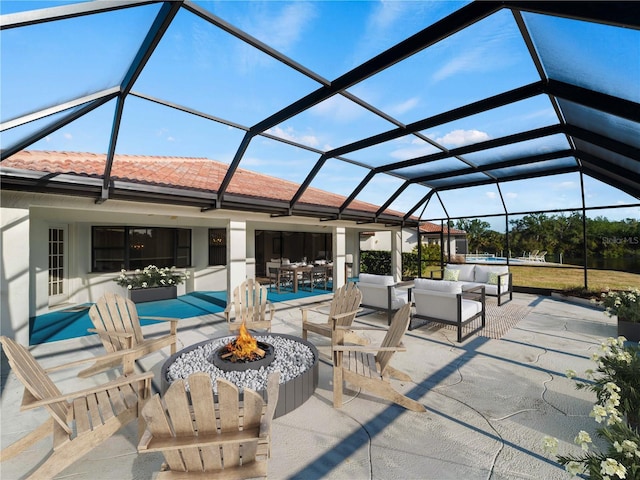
x: 479, y: 259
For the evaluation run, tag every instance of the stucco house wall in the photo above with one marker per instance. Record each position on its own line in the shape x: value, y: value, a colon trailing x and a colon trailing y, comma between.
x: 26, y: 219
x: 381, y: 240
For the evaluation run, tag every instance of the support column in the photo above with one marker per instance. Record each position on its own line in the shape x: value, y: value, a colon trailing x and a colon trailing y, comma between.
x: 16, y: 291
x: 236, y: 255
x: 339, y: 252
x: 396, y: 254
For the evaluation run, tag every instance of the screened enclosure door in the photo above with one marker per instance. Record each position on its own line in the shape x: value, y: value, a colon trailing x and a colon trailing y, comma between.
x: 57, y: 265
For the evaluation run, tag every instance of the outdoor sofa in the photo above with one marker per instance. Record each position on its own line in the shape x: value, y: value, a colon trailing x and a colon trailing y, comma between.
x: 443, y: 301
x: 496, y: 279
x: 382, y: 292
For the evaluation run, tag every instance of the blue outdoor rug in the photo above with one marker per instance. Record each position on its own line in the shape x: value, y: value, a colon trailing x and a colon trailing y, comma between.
x: 73, y: 322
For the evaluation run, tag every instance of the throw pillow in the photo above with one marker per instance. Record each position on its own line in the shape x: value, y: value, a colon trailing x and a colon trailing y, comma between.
x: 451, y: 275
x: 493, y: 278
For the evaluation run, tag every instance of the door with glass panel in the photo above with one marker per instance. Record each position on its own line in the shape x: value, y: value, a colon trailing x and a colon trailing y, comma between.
x: 57, y: 265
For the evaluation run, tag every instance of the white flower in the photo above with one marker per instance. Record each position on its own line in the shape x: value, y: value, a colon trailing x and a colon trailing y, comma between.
x: 583, y: 439
x: 570, y: 373
x: 599, y: 413
x: 629, y: 448
x: 614, y: 418
x: 550, y: 445
x: 611, y: 387
x: 575, y: 468
x: 624, y: 356
x: 610, y: 467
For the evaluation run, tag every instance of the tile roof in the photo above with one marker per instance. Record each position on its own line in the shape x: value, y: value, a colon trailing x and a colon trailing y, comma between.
x: 179, y: 172
x: 429, y: 227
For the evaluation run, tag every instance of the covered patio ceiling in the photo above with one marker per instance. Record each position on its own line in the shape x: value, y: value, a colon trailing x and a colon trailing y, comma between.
x: 593, y: 128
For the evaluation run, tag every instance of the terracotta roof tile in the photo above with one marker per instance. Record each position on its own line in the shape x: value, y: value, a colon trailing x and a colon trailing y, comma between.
x: 429, y: 227
x: 178, y: 172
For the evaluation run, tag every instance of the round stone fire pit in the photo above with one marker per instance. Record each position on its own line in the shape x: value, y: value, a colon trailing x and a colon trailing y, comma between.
x: 295, y: 359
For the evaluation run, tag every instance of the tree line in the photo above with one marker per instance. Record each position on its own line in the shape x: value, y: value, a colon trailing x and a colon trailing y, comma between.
x: 555, y: 234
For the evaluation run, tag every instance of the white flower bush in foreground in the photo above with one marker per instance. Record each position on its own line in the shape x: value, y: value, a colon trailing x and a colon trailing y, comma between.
x: 616, y: 383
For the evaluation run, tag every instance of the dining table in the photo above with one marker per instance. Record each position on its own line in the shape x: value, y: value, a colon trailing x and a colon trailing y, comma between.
x: 299, y: 271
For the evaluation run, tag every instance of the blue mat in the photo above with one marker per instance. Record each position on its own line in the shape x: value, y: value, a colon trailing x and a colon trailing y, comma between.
x: 74, y: 322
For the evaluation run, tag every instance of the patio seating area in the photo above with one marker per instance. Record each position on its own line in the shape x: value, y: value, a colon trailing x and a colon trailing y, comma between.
x: 473, y: 427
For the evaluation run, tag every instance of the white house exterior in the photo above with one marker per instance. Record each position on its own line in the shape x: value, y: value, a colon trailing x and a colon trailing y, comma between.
x: 455, y: 242
x: 28, y: 218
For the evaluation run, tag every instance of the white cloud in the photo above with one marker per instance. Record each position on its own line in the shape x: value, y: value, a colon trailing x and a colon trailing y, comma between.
x: 461, y: 63
x: 403, y: 107
x: 385, y: 15
x: 338, y: 109
x: 511, y: 195
x: 252, y: 162
x: 67, y: 136
x: 290, y: 134
x: 458, y: 138
x: 488, y: 37
x: 491, y: 195
x: 281, y: 29
x: 417, y: 150
x: 170, y: 139
x: 568, y: 185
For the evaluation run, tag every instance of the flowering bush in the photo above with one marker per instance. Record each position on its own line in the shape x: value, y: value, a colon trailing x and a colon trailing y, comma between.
x: 625, y: 304
x: 150, y: 277
x: 617, y: 388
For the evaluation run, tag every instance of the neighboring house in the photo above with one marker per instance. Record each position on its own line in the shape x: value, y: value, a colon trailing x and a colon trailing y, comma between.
x: 62, y: 247
x: 454, y: 240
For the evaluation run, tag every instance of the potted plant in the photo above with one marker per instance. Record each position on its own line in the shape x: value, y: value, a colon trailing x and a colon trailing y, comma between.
x: 151, y: 283
x: 625, y: 305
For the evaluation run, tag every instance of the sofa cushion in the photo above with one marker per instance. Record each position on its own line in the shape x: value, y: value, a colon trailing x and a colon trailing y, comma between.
x: 377, y: 295
x: 437, y: 285
x: 483, y: 271
x: 377, y: 279
x: 492, y: 289
x: 466, y: 272
x: 433, y: 304
x: 493, y: 279
x: 470, y: 308
x: 451, y: 274
x: 444, y: 306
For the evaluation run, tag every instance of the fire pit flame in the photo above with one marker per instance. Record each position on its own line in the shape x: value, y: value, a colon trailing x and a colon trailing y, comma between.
x: 243, y: 348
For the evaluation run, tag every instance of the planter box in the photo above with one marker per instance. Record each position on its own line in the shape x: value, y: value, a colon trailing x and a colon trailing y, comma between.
x: 141, y: 295
x: 629, y: 330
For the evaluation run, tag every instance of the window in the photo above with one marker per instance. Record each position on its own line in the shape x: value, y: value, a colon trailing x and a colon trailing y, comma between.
x: 56, y: 262
x: 117, y: 248
x: 217, y: 246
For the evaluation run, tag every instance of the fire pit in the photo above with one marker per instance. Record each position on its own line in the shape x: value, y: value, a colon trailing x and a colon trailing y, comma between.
x: 242, y: 353
x: 295, y: 359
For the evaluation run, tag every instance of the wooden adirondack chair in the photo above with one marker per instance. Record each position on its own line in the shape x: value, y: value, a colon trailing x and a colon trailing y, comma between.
x: 79, y: 421
x: 250, y: 306
x: 357, y: 365
x: 344, y: 306
x: 116, y: 322
x: 207, y: 438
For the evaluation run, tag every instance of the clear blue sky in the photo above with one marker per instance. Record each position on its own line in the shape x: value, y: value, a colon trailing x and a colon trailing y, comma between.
x: 199, y: 66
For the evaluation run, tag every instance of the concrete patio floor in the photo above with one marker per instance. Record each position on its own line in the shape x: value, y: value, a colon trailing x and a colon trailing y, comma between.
x: 489, y: 404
